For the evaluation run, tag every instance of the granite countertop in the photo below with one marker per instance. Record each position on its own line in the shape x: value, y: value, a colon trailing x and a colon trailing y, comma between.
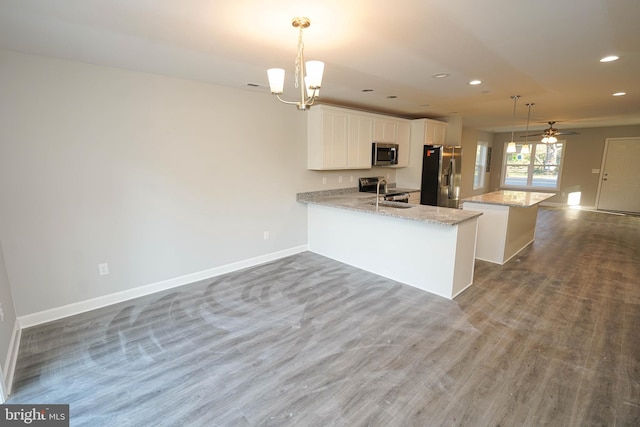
x: 510, y: 198
x: 365, y: 202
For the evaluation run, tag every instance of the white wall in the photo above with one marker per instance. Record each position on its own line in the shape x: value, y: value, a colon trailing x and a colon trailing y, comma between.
x: 8, y: 317
x: 159, y: 177
x: 470, y: 138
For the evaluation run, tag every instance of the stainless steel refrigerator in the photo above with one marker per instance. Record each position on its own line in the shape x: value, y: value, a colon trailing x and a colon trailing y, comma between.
x: 441, y: 167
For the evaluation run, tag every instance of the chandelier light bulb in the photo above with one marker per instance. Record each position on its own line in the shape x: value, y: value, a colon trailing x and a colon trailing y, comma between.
x: 315, y: 69
x: 276, y: 80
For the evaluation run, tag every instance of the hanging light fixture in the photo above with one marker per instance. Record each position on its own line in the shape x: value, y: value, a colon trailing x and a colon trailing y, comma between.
x: 549, y: 135
x: 511, y: 147
x: 525, y: 147
x: 308, y: 84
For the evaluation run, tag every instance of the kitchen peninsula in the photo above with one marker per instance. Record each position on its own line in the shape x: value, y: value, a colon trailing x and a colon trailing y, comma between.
x: 430, y: 248
x: 508, y: 222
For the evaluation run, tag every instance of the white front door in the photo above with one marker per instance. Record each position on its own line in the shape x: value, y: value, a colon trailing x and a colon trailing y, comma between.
x: 619, y: 188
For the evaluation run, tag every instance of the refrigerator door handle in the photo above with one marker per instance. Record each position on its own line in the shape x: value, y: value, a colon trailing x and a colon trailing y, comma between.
x: 452, y: 173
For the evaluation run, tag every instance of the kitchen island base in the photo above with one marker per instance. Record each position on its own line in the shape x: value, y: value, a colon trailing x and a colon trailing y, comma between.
x: 507, y: 224
x: 433, y: 257
x: 503, y: 231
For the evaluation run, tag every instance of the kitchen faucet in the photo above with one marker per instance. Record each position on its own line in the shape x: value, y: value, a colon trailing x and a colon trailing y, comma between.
x: 380, y: 181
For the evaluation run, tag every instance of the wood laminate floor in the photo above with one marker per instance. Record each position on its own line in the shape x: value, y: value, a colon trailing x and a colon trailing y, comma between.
x: 550, y: 338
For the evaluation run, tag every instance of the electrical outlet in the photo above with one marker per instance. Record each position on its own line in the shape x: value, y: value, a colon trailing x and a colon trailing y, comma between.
x: 324, y: 180
x: 266, y: 235
x: 340, y: 179
x: 103, y: 269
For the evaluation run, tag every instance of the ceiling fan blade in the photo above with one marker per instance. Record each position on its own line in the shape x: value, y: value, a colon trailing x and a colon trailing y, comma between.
x: 567, y: 133
x: 532, y: 134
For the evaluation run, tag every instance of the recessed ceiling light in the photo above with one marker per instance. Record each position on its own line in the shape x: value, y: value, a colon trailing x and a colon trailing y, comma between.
x: 367, y: 90
x: 609, y: 58
x: 619, y: 93
x: 392, y: 97
x: 475, y: 82
x: 425, y: 105
x: 440, y: 75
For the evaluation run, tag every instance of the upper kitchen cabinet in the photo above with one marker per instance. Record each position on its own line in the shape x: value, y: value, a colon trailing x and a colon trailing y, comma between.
x: 435, y: 132
x: 395, y: 131
x: 359, y: 142
x: 385, y: 130
x: 403, y: 139
x: 327, y: 138
x: 339, y: 138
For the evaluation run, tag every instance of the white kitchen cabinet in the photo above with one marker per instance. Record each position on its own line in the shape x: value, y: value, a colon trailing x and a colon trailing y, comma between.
x: 403, y: 139
x: 339, y: 138
x: 385, y: 129
x: 435, y: 132
x: 359, y: 141
x: 327, y: 138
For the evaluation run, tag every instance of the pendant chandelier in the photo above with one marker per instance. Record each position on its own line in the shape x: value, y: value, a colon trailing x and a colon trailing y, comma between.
x: 309, y: 84
x: 511, y: 147
x: 525, y: 147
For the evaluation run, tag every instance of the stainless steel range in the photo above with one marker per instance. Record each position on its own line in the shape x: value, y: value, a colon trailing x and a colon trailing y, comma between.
x: 391, y: 194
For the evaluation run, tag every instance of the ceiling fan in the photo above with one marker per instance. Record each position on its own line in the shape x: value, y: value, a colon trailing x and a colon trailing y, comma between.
x: 550, y: 134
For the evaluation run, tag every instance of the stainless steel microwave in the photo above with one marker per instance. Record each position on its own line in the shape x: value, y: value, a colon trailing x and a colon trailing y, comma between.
x: 384, y: 154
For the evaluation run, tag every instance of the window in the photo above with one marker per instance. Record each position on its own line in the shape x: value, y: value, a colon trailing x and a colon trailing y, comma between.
x: 536, y: 165
x: 481, y: 165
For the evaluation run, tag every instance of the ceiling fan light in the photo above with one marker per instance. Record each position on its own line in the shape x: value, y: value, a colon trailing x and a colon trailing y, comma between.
x: 553, y: 139
x: 545, y: 139
x: 276, y: 80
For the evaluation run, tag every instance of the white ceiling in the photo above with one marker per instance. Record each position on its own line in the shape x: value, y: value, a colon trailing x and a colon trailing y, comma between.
x: 547, y: 51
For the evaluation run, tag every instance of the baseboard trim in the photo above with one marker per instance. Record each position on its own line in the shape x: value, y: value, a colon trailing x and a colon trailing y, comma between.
x: 45, y: 316
x: 11, y: 360
x: 564, y: 205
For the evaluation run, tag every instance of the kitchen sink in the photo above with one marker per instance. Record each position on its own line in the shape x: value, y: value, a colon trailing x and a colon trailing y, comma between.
x: 397, y: 205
